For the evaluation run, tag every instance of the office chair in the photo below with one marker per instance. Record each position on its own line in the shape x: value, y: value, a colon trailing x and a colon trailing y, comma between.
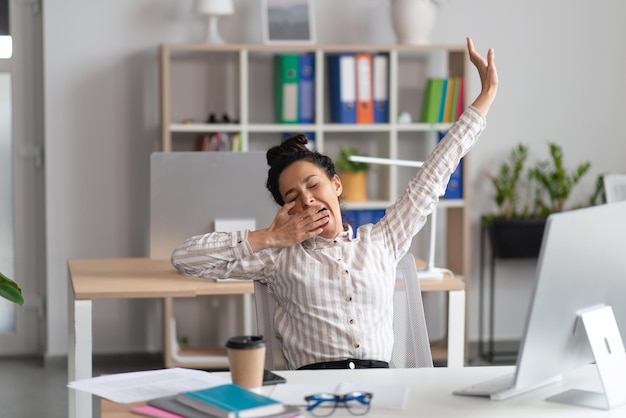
x: 411, y: 347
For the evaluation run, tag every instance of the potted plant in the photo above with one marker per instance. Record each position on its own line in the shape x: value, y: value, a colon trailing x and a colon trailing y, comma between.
x: 353, y: 175
x: 10, y: 290
x: 525, y: 197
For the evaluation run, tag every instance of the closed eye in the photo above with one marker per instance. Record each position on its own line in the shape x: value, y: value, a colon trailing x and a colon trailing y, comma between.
x: 311, y: 182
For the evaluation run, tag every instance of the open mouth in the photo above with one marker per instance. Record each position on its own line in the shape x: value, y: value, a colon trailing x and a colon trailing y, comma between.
x: 326, y: 223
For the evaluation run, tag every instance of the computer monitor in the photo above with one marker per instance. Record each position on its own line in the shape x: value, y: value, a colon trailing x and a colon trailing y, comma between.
x: 190, y: 190
x: 581, y: 267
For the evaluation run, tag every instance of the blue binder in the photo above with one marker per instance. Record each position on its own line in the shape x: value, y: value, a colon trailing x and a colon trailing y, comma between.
x: 342, y: 88
x: 306, y: 110
x: 454, y: 189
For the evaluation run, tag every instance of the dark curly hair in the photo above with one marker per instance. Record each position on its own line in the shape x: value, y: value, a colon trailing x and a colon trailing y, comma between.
x: 293, y: 149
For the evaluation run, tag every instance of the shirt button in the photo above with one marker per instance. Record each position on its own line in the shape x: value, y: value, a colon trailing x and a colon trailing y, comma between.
x: 349, y: 299
x: 352, y: 321
x: 356, y: 345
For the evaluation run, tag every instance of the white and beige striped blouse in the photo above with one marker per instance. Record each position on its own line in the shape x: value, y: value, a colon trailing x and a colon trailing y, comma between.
x: 335, y: 296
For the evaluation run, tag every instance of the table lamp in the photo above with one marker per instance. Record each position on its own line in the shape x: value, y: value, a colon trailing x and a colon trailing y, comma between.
x: 430, y: 272
x: 213, y: 9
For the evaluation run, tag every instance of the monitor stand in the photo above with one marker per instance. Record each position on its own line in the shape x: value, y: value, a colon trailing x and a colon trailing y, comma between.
x: 608, y: 351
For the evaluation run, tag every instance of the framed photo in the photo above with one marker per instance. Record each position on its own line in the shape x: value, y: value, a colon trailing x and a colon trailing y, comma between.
x: 288, y: 21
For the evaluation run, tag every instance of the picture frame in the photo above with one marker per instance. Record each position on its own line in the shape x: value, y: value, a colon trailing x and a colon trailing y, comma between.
x: 288, y: 21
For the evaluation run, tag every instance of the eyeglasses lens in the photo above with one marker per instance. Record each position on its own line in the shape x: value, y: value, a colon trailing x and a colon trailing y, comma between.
x: 324, y: 404
x: 358, y: 403
x: 321, y: 405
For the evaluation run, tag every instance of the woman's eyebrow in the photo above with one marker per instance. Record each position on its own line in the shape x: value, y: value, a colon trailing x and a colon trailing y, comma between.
x: 293, y: 189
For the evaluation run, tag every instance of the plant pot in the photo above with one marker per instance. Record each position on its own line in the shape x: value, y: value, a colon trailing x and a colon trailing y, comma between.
x: 354, y: 186
x: 413, y: 20
x: 516, y: 238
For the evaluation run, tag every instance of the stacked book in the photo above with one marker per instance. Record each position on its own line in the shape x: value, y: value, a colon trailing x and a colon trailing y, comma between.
x: 223, y: 401
x: 218, y: 141
x: 443, y: 100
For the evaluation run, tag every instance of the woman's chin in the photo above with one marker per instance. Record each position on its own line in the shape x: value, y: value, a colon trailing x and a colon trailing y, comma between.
x: 328, y: 231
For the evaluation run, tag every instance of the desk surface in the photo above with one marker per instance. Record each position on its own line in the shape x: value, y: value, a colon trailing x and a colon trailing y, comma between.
x: 430, y: 393
x: 133, y: 278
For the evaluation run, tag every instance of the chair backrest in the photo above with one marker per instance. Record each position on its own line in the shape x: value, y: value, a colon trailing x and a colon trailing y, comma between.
x: 265, y: 306
x: 411, y: 345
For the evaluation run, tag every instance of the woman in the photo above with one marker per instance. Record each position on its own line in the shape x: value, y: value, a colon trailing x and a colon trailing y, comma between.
x: 335, y: 292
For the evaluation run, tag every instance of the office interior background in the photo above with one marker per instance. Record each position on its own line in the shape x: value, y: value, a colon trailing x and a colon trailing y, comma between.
x: 560, y: 66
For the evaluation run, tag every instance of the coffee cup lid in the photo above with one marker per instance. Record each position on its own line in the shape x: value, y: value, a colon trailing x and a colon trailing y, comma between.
x: 245, y: 342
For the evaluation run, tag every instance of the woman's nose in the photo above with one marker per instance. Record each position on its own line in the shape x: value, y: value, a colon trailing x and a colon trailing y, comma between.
x: 307, y: 200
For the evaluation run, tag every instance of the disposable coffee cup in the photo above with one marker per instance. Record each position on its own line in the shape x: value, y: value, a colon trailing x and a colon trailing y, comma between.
x: 246, y: 358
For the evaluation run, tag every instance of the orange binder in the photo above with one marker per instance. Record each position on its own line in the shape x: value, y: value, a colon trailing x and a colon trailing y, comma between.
x: 364, y: 102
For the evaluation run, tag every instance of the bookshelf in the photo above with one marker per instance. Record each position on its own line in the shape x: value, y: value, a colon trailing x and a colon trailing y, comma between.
x: 237, y: 80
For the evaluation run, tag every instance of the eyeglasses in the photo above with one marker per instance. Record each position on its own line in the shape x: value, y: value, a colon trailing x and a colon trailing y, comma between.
x: 324, y: 404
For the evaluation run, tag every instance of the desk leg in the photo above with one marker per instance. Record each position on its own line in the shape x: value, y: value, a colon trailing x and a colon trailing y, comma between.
x: 247, y: 314
x: 456, y: 328
x: 79, y: 354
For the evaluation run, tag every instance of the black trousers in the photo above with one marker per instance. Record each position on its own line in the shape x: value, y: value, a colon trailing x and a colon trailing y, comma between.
x: 350, y: 363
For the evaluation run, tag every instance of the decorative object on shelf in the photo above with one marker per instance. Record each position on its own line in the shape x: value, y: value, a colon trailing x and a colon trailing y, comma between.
x: 353, y: 175
x: 413, y: 20
x: 288, y: 21
x: 516, y: 228
x: 213, y: 9
x: 404, y: 118
x: 10, y: 290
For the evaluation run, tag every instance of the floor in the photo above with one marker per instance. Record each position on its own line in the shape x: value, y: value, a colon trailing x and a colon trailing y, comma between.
x: 31, y: 390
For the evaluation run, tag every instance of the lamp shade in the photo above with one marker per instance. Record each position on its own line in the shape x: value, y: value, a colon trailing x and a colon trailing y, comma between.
x: 215, y: 7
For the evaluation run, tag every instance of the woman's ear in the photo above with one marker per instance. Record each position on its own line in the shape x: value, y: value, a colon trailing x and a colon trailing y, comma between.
x: 338, y: 185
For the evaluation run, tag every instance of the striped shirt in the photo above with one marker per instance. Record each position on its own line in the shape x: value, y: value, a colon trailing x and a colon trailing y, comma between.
x: 335, y: 296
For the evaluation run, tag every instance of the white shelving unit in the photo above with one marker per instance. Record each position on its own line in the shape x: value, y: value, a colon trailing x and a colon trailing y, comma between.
x: 237, y: 80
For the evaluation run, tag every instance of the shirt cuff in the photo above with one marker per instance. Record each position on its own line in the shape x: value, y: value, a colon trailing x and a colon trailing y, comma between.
x: 240, y: 245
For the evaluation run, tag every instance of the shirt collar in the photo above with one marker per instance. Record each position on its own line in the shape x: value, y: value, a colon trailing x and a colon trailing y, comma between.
x: 319, y: 242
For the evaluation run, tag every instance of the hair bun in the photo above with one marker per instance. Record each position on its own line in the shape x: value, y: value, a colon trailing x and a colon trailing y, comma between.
x: 291, y: 145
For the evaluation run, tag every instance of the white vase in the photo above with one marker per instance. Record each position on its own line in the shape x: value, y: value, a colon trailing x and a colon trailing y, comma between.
x: 413, y: 20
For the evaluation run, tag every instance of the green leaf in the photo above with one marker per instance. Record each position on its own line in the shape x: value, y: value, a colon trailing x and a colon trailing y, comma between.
x: 10, y: 290
x: 344, y: 164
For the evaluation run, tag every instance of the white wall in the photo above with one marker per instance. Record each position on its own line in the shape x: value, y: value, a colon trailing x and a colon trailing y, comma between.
x: 561, y: 80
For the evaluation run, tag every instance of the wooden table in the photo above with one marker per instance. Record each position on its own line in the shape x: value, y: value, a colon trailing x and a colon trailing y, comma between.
x: 123, y: 278
x: 137, y: 278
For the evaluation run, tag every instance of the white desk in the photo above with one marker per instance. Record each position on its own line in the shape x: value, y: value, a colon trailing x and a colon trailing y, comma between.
x: 430, y: 393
